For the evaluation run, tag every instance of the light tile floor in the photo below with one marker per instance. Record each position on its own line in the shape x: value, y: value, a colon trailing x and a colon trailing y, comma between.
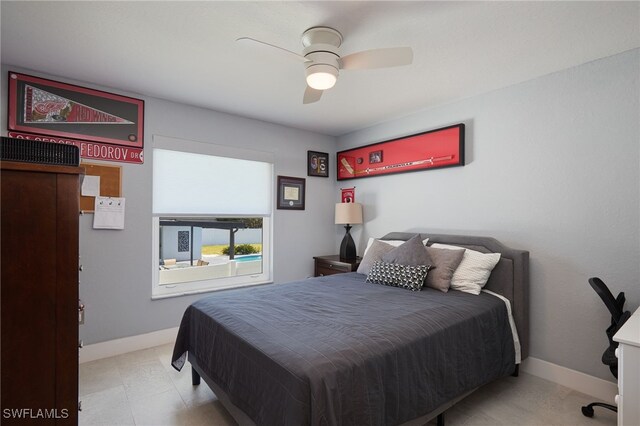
x: 141, y: 388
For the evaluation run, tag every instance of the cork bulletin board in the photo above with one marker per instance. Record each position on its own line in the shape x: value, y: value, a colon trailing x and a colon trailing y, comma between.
x: 110, y: 183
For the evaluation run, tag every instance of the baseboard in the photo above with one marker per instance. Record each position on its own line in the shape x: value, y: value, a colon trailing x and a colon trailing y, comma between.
x: 594, y: 386
x: 590, y: 385
x: 127, y: 344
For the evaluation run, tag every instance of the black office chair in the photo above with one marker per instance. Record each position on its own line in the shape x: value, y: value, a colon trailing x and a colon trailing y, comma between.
x: 618, y: 317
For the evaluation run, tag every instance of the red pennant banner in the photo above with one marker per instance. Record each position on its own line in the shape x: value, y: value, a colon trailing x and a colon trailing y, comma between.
x: 45, y: 107
x: 62, y: 111
x: 348, y: 195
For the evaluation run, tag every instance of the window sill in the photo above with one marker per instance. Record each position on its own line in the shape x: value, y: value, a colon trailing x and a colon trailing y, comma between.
x: 175, y: 291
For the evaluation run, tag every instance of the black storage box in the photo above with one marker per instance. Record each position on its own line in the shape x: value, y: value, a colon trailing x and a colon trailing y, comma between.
x: 29, y: 151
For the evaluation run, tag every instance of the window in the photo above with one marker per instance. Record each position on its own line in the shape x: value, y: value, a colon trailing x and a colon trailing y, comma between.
x: 211, y: 217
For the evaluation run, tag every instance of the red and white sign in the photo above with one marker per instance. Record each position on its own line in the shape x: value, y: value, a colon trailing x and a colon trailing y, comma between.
x: 348, y: 195
x: 427, y: 150
x: 92, y: 150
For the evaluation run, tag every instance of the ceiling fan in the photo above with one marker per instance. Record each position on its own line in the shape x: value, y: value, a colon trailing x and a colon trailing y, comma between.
x: 322, y: 61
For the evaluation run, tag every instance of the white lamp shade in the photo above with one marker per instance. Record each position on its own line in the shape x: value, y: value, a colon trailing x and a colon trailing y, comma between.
x: 348, y: 213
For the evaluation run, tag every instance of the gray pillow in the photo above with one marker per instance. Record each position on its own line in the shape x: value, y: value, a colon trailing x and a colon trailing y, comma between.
x: 413, y: 253
x: 445, y: 263
x: 373, y: 254
x: 398, y: 275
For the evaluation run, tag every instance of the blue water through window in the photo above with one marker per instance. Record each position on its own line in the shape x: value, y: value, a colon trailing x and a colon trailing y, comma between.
x: 248, y: 257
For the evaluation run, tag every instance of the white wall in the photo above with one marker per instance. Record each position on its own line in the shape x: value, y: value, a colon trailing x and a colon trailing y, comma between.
x: 553, y: 168
x: 115, y: 285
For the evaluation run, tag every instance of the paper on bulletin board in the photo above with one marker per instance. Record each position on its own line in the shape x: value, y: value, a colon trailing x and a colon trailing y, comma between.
x: 90, y: 186
x: 110, y: 183
x: 109, y: 213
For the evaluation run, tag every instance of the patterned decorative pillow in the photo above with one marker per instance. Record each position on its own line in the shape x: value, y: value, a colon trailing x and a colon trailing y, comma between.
x: 398, y: 275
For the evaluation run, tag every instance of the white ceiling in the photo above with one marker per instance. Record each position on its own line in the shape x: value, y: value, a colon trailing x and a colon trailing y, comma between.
x: 186, y: 51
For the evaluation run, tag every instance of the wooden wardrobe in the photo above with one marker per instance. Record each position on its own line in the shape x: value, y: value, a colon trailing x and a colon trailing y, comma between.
x: 39, y: 293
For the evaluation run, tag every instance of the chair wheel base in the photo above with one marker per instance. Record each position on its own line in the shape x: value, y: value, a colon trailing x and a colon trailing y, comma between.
x: 587, y: 411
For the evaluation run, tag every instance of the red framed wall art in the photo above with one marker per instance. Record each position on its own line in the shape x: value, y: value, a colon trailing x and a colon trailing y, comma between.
x: 51, y: 108
x: 433, y: 149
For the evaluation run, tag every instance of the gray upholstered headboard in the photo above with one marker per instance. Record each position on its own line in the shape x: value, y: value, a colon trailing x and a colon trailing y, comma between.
x: 509, y: 278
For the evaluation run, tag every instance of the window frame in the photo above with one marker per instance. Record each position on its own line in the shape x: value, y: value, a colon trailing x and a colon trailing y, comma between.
x: 214, y: 284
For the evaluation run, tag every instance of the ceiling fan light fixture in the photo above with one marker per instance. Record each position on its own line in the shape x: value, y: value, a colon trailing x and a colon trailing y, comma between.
x: 321, y: 76
x: 323, y: 62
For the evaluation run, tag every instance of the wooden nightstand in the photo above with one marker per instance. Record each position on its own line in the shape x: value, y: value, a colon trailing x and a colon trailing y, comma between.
x: 329, y: 265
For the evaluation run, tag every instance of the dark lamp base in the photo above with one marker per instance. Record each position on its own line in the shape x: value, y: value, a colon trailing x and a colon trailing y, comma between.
x: 348, y: 247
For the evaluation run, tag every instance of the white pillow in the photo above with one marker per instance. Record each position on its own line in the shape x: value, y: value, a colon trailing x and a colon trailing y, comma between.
x: 473, y: 272
x: 395, y: 243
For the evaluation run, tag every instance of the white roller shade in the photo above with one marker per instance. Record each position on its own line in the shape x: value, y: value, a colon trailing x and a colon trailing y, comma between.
x: 188, y: 183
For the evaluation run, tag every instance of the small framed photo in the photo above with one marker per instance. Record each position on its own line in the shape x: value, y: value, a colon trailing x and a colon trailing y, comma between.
x: 375, y: 157
x: 317, y: 164
x: 291, y: 193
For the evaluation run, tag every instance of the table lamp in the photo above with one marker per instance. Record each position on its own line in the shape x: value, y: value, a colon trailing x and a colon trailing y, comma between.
x: 348, y: 214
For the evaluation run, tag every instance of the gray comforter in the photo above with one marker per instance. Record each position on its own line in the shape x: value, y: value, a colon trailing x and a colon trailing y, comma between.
x: 338, y: 351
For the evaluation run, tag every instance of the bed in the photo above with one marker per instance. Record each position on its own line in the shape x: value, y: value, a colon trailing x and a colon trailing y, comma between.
x: 336, y: 350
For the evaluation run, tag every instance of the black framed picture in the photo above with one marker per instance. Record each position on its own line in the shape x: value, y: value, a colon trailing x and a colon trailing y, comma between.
x: 52, y: 108
x: 291, y: 193
x: 375, y: 157
x: 317, y: 164
x: 432, y: 149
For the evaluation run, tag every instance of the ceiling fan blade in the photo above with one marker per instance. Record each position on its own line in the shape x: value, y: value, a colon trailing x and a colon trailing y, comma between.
x: 377, y: 58
x: 291, y: 54
x: 311, y: 95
